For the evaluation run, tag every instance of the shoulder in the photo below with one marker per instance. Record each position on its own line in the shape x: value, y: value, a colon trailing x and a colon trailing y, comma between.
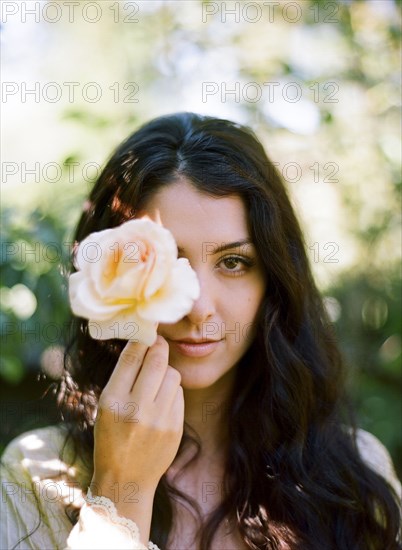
x: 44, y: 453
x: 43, y: 460
x: 377, y: 457
x: 35, y: 445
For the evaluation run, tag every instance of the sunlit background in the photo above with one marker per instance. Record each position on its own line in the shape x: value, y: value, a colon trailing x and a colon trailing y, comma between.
x: 319, y: 82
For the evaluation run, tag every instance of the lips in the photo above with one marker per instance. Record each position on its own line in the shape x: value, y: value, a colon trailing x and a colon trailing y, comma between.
x: 195, y: 348
x: 191, y: 341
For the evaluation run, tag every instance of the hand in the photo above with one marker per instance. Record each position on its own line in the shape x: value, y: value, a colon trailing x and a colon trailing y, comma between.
x: 140, y: 419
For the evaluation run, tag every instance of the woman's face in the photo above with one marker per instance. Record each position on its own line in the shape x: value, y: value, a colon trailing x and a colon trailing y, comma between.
x: 231, y: 280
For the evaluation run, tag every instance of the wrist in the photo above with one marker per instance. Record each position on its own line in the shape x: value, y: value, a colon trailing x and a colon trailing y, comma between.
x: 120, y: 513
x: 123, y: 491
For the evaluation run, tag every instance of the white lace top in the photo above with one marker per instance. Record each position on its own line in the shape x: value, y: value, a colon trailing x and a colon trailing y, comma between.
x: 35, y: 479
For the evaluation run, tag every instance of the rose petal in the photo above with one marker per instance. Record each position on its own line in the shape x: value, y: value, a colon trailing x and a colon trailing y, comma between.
x: 176, y: 298
x: 89, y: 250
x: 124, y: 298
x: 166, y: 256
x: 124, y: 328
x: 159, y: 240
x: 85, y: 302
x: 98, y: 270
x: 132, y: 277
x: 117, y: 258
x: 153, y: 232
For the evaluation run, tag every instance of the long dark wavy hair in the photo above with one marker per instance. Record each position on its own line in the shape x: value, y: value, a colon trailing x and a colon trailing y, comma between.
x: 294, y: 474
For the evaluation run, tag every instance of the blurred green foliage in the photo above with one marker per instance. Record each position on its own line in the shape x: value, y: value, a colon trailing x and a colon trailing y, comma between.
x: 34, y: 302
x: 369, y: 333
x: 171, y: 53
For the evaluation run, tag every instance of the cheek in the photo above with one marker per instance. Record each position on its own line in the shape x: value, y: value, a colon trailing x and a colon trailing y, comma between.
x: 247, y: 310
x: 239, y: 319
x: 246, y: 302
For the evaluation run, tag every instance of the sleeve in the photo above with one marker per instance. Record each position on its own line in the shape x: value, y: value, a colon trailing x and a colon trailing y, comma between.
x: 34, y: 498
x: 23, y: 520
x: 99, y: 526
x: 376, y: 456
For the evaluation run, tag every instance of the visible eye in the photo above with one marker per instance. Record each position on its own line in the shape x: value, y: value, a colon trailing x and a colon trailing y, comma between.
x: 236, y: 265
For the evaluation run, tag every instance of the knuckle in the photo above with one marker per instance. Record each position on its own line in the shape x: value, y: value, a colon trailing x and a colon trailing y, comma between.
x: 173, y: 374
x: 159, y: 363
x: 162, y: 343
x: 105, y: 402
x: 103, y: 398
x: 131, y: 357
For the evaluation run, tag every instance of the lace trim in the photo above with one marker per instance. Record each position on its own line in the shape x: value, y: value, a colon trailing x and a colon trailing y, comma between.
x: 125, y: 522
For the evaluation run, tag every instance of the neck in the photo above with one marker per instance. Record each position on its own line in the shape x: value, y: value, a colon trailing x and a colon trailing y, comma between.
x: 206, y: 412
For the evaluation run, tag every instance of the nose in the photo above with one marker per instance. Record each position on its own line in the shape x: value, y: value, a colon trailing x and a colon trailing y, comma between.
x: 204, y: 307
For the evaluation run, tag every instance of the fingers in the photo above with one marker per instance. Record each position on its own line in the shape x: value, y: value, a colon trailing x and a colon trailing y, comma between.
x: 168, y: 389
x: 144, y: 372
x: 153, y: 372
x: 177, y: 409
x: 127, y: 368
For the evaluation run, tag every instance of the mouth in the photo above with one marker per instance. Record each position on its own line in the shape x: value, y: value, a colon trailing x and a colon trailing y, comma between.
x: 195, y: 348
x: 194, y: 341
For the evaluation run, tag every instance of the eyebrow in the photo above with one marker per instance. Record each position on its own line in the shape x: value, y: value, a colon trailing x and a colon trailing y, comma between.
x: 235, y: 244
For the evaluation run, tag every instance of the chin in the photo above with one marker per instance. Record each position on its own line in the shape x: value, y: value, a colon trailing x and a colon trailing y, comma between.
x: 202, y: 377
x: 190, y: 383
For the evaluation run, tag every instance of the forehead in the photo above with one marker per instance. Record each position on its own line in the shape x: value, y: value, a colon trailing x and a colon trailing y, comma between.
x: 189, y: 213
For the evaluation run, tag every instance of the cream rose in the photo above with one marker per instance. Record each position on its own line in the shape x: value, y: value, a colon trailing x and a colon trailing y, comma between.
x: 129, y: 279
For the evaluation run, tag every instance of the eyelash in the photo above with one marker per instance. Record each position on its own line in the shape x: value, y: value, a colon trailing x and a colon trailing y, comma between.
x: 245, y: 261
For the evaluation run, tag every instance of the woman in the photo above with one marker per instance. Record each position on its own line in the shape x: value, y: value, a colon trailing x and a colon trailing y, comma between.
x: 244, y: 437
